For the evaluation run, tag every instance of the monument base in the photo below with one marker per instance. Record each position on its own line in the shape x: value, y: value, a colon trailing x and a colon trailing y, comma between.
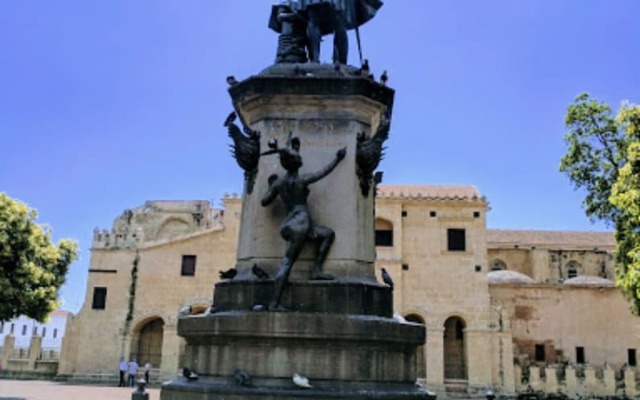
x: 326, y: 297
x: 344, y: 356
x: 216, y: 389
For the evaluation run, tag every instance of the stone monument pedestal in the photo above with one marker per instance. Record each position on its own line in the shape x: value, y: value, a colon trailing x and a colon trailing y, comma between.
x: 339, y: 333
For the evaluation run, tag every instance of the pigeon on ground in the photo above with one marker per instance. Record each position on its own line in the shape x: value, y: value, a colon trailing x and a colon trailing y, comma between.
x: 301, y: 381
x: 231, y: 80
x: 386, y: 278
x: 259, y: 272
x: 184, y: 311
x: 189, y: 374
x: 241, y: 377
x: 228, y: 274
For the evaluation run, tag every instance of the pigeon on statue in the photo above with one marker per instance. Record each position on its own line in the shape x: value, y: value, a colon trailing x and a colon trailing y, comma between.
x: 301, y: 381
x: 364, y: 69
x: 259, y: 272
x: 241, y: 377
x: 184, y: 311
x: 231, y: 80
x: 386, y: 278
x: 384, y: 78
x: 191, y: 375
x: 228, y: 274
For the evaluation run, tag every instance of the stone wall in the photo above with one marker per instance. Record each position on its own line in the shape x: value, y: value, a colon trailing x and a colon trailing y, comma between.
x: 27, y: 362
x: 577, y: 381
x: 559, y: 318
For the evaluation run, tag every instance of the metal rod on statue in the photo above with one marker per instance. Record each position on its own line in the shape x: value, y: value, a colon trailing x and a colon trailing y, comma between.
x: 359, y: 45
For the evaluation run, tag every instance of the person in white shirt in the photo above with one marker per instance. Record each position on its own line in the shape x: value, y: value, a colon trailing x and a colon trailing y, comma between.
x: 133, y: 370
x: 147, y: 369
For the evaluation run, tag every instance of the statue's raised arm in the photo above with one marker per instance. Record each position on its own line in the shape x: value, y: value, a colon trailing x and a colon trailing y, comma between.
x: 316, y: 176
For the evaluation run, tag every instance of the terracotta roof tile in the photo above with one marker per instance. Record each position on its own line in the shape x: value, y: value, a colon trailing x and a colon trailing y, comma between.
x: 429, y: 192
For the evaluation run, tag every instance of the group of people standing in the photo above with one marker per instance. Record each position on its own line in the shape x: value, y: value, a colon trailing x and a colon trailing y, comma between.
x: 130, y: 370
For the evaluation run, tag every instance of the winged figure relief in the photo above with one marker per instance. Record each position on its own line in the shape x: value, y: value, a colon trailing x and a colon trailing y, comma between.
x: 245, y: 149
x: 369, y: 153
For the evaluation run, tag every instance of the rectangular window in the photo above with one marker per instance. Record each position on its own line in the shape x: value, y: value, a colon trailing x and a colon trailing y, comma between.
x: 540, y: 352
x: 12, y: 328
x: 1, y: 327
x: 35, y: 331
x: 631, y: 357
x: 580, y: 355
x: 384, y: 238
x: 44, y: 331
x: 188, y: 265
x: 24, y: 330
x: 99, y: 299
x: 456, y: 240
x: 55, y: 333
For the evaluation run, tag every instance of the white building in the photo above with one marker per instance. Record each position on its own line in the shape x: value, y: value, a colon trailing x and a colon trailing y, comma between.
x: 24, y: 328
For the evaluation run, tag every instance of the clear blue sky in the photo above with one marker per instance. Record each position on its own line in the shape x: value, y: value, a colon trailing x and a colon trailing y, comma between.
x: 106, y: 104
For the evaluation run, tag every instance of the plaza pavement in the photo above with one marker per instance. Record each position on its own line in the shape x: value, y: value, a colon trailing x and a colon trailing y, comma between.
x: 46, y: 390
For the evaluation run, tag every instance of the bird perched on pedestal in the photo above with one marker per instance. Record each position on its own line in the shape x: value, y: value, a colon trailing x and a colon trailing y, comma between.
x: 386, y: 278
x: 301, y: 381
x: 384, y: 78
x: 231, y: 80
x: 228, y: 274
x: 184, y: 311
x: 241, y: 377
x: 259, y: 272
x: 364, y: 69
x: 189, y: 374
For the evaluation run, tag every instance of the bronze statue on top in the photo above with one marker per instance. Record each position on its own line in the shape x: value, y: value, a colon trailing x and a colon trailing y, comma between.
x: 302, y: 23
x: 298, y: 227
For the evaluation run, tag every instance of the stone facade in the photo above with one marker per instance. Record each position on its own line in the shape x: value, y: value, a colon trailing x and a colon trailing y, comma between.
x: 500, y: 307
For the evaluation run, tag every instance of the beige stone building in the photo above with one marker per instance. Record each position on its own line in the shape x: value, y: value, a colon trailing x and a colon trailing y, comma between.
x: 508, y: 311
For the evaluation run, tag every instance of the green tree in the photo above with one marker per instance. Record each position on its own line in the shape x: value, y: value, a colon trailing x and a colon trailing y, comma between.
x: 32, y: 269
x: 600, y: 158
x: 625, y: 195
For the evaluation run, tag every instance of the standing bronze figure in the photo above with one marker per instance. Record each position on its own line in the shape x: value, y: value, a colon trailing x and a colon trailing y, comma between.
x: 298, y: 227
x: 303, y: 23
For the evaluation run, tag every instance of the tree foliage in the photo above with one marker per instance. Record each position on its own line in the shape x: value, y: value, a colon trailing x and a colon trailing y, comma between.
x: 603, y: 158
x: 625, y: 195
x: 596, y: 152
x: 32, y: 268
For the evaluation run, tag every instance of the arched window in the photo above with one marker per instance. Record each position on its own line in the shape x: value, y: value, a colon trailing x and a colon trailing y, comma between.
x: 384, y: 233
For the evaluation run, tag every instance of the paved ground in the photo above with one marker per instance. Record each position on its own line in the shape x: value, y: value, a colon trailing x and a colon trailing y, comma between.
x: 44, y: 390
